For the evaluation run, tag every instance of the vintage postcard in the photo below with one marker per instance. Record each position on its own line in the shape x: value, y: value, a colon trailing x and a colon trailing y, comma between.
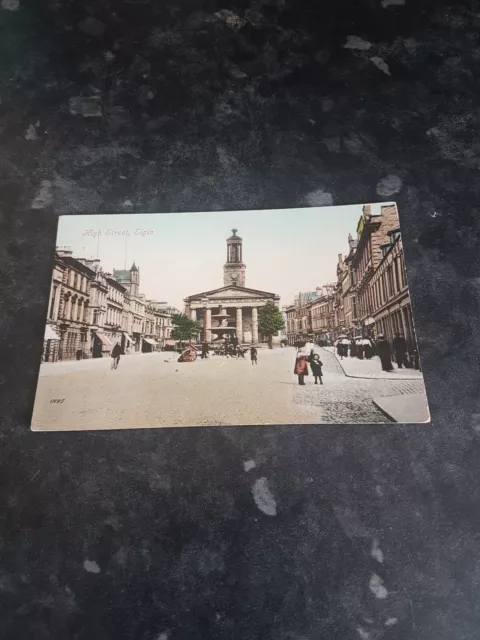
x: 295, y: 316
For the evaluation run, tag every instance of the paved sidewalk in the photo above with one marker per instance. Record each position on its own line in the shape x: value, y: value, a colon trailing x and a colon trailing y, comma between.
x: 412, y: 409
x: 355, y: 368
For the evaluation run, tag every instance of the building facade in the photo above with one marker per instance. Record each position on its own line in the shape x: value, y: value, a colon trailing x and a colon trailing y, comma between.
x: 115, y: 305
x: 392, y: 309
x: 70, y: 306
x: 234, y: 305
x: 89, y: 311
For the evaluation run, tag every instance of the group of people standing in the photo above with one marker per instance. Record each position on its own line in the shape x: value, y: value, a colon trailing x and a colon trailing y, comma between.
x: 303, y: 360
x: 366, y: 349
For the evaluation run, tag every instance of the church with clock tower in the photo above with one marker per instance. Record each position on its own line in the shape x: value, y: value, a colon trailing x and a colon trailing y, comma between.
x: 232, y: 308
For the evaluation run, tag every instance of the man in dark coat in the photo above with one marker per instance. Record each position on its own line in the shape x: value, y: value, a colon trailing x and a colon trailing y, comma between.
x: 253, y: 355
x: 383, y: 348
x: 400, y: 349
x: 116, y: 353
x: 204, y: 350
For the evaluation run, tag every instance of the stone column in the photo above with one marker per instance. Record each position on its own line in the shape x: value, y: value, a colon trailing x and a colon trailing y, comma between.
x: 254, y: 324
x: 208, y: 325
x: 239, y: 325
x: 193, y: 314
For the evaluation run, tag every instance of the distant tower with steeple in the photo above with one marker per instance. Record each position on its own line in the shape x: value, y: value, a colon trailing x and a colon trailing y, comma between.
x: 130, y: 279
x: 234, y: 269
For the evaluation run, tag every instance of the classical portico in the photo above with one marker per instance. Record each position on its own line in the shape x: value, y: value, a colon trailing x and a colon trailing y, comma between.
x: 234, y: 305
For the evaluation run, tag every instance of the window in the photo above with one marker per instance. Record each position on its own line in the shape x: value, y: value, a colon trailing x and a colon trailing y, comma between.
x: 391, y: 289
x: 52, y: 302
x: 397, y: 279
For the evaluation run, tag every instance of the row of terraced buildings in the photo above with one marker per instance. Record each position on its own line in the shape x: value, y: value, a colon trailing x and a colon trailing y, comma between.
x: 370, y: 293
x: 90, y: 310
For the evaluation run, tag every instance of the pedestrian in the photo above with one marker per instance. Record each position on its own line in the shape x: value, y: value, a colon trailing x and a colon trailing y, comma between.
x: 383, y: 348
x: 116, y: 353
x: 353, y: 349
x: 316, y: 365
x: 400, y: 349
x: 301, y: 366
x: 253, y: 355
x: 340, y: 350
x: 205, y: 350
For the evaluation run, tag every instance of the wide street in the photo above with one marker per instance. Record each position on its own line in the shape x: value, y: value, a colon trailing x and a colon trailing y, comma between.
x: 154, y: 390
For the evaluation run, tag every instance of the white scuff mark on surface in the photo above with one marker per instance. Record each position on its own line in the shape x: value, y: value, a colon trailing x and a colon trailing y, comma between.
x: 319, y: 198
x: 392, y: 3
x: 263, y: 497
x: 162, y: 636
x: 127, y: 203
x: 354, y: 42
x: 364, y: 635
x: 88, y: 107
x: 248, y: 465
x: 377, y: 587
x: 30, y: 133
x: 389, y: 185
x: 376, y: 552
x: 10, y: 5
x: 91, y: 566
x: 44, y: 197
x: 381, y: 64
x: 391, y: 622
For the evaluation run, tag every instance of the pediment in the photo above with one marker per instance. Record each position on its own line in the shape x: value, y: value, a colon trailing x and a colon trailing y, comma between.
x: 232, y: 292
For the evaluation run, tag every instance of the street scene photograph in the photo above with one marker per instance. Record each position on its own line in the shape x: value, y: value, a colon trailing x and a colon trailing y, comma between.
x: 273, y: 317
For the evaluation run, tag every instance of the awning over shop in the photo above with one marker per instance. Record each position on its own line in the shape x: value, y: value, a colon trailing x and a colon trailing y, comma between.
x: 50, y: 334
x: 170, y: 343
x: 104, y: 340
x: 150, y: 341
x: 128, y: 338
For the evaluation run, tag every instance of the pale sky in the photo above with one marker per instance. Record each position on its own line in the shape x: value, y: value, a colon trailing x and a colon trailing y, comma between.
x: 285, y: 250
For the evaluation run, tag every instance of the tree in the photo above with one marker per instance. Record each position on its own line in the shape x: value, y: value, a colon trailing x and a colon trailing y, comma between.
x: 184, y: 328
x: 270, y: 321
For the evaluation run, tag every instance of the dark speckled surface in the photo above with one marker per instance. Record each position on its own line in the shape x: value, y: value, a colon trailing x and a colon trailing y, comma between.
x: 152, y: 106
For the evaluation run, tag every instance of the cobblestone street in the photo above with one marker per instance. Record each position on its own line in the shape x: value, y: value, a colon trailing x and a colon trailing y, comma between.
x: 153, y: 390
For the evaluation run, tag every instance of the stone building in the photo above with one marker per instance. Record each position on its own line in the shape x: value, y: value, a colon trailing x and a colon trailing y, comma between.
x: 391, y: 305
x: 69, y: 308
x: 114, y: 315
x: 159, y: 314
x: 130, y: 279
x: 299, y: 316
x: 339, y: 328
x: 349, y: 291
x: 322, y: 312
x: 101, y: 345
x: 234, y: 305
x: 372, y: 232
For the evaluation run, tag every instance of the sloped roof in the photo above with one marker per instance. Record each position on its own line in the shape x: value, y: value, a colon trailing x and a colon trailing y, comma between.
x: 121, y: 274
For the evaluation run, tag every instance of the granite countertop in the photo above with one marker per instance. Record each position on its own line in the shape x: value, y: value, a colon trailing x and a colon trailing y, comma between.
x: 301, y: 533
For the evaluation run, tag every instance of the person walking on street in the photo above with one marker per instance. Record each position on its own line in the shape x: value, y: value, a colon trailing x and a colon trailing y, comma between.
x: 400, y: 349
x: 204, y: 350
x: 316, y: 365
x: 301, y: 367
x: 253, y: 355
x: 116, y: 353
x: 340, y: 351
x: 384, y: 353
